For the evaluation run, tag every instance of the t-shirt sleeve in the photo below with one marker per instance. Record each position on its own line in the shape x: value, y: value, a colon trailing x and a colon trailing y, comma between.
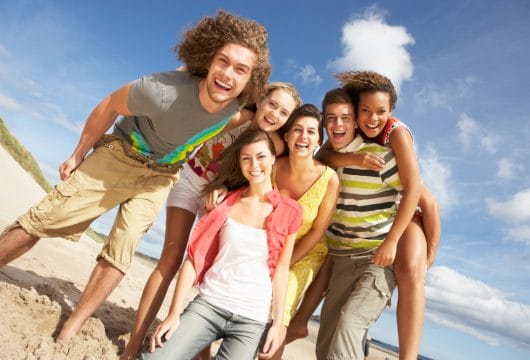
x: 296, y: 218
x: 146, y: 96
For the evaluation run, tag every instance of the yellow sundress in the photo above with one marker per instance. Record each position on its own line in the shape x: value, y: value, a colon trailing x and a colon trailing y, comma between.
x: 304, y: 271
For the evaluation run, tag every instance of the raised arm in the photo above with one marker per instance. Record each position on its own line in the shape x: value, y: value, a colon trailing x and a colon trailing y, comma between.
x: 321, y: 222
x: 401, y: 143
x: 239, y: 118
x: 99, y: 121
x: 167, y: 327
x: 335, y: 159
x: 279, y: 290
x: 431, y: 223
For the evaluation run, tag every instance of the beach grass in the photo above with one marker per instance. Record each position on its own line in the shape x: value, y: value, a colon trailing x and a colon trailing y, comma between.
x: 24, y: 158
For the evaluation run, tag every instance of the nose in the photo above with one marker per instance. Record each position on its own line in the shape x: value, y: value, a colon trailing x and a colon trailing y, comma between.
x: 254, y: 162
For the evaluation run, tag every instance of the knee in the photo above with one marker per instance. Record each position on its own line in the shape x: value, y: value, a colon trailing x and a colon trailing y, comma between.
x: 410, y: 273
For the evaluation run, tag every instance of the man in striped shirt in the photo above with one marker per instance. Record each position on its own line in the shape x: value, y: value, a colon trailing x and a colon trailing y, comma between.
x: 359, y: 290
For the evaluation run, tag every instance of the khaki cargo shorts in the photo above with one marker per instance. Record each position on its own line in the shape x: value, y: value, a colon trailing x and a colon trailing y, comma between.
x: 105, y: 179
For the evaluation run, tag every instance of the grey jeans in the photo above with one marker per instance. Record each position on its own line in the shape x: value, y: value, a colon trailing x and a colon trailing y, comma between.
x: 201, y: 324
x: 358, y: 292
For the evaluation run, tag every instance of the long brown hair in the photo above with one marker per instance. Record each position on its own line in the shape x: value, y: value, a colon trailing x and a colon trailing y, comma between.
x: 229, y: 172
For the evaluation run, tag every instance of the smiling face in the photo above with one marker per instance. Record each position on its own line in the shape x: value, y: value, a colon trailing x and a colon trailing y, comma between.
x: 374, y: 112
x: 303, y: 136
x: 274, y: 110
x: 228, y: 75
x: 340, y: 124
x: 256, y: 161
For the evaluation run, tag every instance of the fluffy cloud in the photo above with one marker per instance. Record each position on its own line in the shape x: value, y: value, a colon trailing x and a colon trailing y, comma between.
x: 308, y: 75
x: 469, y: 305
x: 505, y: 169
x: 515, y: 210
x: 437, y: 176
x: 369, y: 43
x: 471, y: 133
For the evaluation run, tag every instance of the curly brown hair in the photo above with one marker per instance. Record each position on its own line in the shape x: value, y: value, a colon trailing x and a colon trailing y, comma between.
x: 229, y: 174
x: 201, y: 42
x: 358, y: 82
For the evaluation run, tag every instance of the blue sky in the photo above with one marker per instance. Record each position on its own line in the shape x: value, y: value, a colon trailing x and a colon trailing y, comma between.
x: 462, y: 72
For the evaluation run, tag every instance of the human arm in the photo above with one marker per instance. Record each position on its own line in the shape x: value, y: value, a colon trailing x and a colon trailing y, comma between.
x: 320, y: 223
x: 279, y: 144
x: 167, y: 327
x: 335, y: 159
x: 402, y: 146
x: 431, y: 223
x: 239, y: 118
x: 279, y: 289
x: 99, y: 121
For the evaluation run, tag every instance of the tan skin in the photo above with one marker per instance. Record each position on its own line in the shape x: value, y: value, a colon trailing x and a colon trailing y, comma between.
x: 418, y: 242
x: 252, y: 209
x: 272, y: 113
x: 230, y: 67
x: 295, y: 174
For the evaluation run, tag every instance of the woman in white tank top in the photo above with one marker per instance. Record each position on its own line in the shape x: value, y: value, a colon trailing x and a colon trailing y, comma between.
x: 239, y: 256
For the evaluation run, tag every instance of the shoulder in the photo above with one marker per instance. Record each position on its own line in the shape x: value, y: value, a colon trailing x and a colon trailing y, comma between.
x: 396, y: 129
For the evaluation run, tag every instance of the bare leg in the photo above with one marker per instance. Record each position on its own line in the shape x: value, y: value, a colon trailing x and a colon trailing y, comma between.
x: 313, y: 296
x: 178, y: 227
x: 102, y: 282
x: 14, y: 243
x: 410, y: 268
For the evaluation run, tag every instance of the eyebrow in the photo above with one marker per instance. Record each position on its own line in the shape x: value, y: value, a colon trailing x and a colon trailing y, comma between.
x: 226, y: 57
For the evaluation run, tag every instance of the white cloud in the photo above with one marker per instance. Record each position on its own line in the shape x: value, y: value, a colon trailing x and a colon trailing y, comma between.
x: 471, y: 133
x: 369, y: 43
x: 519, y: 233
x: 8, y: 103
x: 433, y: 96
x: 505, y: 169
x: 515, y: 210
x: 471, y: 306
x: 442, y: 96
x: 308, y: 74
x: 468, y: 130
x: 437, y: 176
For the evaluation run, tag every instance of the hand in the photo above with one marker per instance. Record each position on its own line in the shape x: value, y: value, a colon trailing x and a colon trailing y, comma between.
x: 214, y: 198
x: 385, y: 253
x: 163, y: 331
x: 369, y: 161
x: 430, y: 260
x: 68, y: 166
x: 274, y: 339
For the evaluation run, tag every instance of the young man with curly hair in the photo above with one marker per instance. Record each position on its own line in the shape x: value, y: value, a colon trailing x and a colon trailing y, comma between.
x: 164, y: 117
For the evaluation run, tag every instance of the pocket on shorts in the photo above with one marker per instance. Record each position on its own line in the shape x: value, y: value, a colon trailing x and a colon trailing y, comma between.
x: 63, y: 191
x: 382, y: 288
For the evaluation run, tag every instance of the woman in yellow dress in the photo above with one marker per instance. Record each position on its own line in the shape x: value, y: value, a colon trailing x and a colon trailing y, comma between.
x: 315, y: 187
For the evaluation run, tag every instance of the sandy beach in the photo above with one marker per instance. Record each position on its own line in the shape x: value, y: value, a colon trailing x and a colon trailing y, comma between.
x: 39, y: 290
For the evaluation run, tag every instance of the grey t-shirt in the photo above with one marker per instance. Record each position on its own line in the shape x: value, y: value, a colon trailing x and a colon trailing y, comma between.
x: 169, y: 121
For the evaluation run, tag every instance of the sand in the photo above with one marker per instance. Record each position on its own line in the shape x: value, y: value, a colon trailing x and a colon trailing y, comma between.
x: 39, y: 289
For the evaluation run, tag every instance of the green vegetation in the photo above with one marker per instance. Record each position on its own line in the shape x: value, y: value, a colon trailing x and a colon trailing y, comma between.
x: 28, y: 163
x: 22, y: 156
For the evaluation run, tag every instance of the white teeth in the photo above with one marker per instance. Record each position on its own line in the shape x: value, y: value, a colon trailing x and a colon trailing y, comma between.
x: 223, y: 84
